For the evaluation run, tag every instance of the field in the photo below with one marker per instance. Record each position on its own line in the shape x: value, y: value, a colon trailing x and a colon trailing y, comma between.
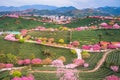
x: 85, y: 37
x: 28, y: 50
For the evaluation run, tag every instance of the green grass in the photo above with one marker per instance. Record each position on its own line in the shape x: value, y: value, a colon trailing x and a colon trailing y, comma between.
x: 113, y: 58
x: 94, y: 36
x: 85, y: 37
x: 87, y: 22
x: 7, y: 23
x: 92, y: 61
x: 4, y: 74
x: 50, y: 34
x: 97, y: 75
x: 45, y: 76
x: 47, y: 68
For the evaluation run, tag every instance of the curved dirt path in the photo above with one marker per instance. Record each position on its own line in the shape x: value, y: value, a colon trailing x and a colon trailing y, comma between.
x: 99, y: 64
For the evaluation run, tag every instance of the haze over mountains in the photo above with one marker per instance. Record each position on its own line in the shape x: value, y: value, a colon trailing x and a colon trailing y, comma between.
x: 39, y: 7
x: 67, y: 11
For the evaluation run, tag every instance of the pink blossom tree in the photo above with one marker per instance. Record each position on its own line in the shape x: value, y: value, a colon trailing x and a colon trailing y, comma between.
x: 114, y: 68
x: 57, y: 63
x: 67, y: 74
x: 112, y: 77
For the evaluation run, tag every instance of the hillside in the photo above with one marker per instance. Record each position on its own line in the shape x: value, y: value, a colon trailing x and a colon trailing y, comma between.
x: 7, y: 23
x: 72, y: 11
x: 85, y: 37
x: 87, y: 22
x: 110, y: 10
x: 27, y: 50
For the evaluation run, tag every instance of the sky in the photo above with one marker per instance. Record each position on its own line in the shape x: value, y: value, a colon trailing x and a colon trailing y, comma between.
x: 60, y: 3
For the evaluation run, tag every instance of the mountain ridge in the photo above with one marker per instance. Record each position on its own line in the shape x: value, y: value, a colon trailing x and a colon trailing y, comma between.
x: 66, y: 11
x: 24, y: 7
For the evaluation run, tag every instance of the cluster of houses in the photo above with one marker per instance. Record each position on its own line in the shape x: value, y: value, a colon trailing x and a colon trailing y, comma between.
x: 57, y: 19
x: 45, y: 18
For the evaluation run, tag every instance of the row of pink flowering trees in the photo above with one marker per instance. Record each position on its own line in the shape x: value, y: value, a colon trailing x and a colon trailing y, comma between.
x: 108, y: 26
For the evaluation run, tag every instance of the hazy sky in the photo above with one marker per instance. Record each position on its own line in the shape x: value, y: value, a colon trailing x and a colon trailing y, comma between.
x: 76, y: 3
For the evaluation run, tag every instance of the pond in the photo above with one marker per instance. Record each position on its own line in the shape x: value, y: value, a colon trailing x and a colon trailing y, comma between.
x: 10, y: 32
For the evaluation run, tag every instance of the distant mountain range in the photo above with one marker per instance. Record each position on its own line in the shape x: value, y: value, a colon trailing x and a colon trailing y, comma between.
x: 39, y: 7
x: 67, y: 11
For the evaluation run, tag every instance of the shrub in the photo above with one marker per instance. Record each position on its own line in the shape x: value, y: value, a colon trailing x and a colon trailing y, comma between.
x: 85, y: 54
x: 75, y: 43
x: 86, y: 47
x: 17, y: 36
x: 2, y: 58
x: 32, y: 56
x: 44, y: 39
x: 67, y: 74
x: 73, y: 51
x: 36, y: 61
x: 38, y: 41
x: 86, y: 65
x: 114, y: 68
x: 71, y: 66
x: 27, y: 61
x: 16, y: 73
x: 23, y: 32
x: 51, y: 40
x: 29, y: 77
x: 61, y: 40
x: 10, y: 58
x: 17, y: 22
x: 22, y: 40
x: 27, y: 37
x: 9, y: 65
x: 47, y: 53
x: 62, y: 58
x: 78, y: 61
x: 69, y: 45
x: 20, y: 62
x: 2, y: 65
x: 47, y: 61
x: 112, y: 77
x: 96, y: 47
x: 57, y: 63
x: 62, y: 28
x: 16, y: 78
